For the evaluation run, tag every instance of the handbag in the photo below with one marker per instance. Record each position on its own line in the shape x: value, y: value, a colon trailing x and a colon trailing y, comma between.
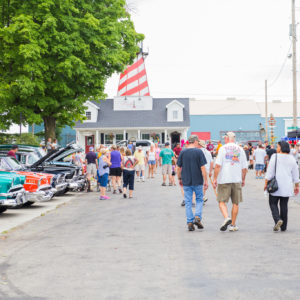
x: 272, y: 185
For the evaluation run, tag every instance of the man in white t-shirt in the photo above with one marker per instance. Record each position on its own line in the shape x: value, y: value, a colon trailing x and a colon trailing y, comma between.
x: 209, y: 165
x: 229, y: 177
x: 260, y: 157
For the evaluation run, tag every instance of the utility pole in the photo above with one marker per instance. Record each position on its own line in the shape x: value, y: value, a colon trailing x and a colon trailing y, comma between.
x: 266, y: 109
x: 294, y: 37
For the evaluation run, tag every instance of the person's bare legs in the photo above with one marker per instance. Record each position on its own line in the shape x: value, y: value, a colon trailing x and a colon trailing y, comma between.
x: 118, y: 180
x: 164, y: 178
x: 170, y: 179
x: 113, y: 181
x: 234, y: 213
x: 223, y: 209
x: 130, y: 193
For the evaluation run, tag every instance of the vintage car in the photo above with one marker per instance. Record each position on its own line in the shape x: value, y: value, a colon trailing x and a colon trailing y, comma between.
x: 12, y: 192
x: 28, y: 155
x: 56, y: 162
x: 38, y: 187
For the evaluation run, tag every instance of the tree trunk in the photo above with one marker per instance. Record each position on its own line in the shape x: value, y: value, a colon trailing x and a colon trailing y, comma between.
x: 50, y: 125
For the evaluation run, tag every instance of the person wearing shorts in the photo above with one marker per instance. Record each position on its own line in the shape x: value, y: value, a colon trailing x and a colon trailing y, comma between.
x: 166, y: 156
x: 260, y: 157
x: 115, y: 169
x: 157, y: 152
x: 103, y: 173
x: 140, y: 167
x: 151, y: 161
x: 91, y: 166
x: 229, y: 177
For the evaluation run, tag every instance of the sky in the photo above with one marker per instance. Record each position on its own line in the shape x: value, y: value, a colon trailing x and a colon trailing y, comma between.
x: 215, y: 49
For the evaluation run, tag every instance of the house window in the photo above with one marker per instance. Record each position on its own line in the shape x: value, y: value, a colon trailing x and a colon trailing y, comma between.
x: 145, y: 136
x: 109, y: 139
x: 119, y: 138
x: 175, y: 114
x: 88, y: 115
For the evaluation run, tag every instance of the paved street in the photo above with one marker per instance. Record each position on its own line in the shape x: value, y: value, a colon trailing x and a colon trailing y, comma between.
x: 140, y: 249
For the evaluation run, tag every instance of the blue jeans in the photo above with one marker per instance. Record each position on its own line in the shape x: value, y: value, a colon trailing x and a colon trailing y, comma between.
x: 188, y: 198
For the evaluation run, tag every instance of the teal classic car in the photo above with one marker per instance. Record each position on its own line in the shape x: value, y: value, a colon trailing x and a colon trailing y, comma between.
x: 12, y: 192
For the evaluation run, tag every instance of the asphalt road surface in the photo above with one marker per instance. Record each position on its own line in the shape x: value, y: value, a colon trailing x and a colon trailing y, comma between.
x: 140, y: 249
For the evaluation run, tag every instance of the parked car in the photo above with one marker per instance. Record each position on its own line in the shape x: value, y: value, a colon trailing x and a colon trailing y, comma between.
x: 28, y: 155
x: 55, y: 162
x: 38, y: 187
x: 12, y: 192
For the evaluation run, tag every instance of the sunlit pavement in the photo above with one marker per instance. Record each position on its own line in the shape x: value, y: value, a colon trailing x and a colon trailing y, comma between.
x: 140, y: 249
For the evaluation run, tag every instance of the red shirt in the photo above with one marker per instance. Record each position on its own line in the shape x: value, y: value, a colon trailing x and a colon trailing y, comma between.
x: 12, y: 154
x: 177, y: 150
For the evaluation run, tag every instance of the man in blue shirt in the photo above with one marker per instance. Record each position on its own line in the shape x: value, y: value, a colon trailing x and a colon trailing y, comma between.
x: 192, y: 175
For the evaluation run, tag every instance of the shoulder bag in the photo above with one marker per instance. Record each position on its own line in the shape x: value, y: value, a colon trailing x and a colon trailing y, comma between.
x: 272, y: 185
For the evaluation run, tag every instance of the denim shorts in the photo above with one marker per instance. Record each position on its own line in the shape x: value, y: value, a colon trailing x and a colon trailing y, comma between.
x: 259, y: 167
x: 152, y: 162
x: 103, y: 180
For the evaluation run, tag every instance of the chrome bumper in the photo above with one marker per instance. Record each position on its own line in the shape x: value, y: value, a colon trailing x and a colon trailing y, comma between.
x: 77, y: 184
x: 40, y: 195
x: 60, y: 187
x: 13, y: 198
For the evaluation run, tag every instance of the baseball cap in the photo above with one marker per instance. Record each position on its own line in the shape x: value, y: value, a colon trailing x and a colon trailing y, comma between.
x: 167, y: 144
x: 229, y: 134
x: 91, y: 148
x: 193, y: 138
x: 202, y: 143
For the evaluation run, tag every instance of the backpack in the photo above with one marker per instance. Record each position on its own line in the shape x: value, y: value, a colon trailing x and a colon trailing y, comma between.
x: 129, y: 163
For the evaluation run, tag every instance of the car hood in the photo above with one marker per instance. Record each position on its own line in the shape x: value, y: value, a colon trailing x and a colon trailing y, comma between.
x: 58, y: 154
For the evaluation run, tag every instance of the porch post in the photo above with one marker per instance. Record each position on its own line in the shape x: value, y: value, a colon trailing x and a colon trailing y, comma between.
x: 97, y: 138
x: 124, y: 134
x: 139, y: 134
x: 166, y: 135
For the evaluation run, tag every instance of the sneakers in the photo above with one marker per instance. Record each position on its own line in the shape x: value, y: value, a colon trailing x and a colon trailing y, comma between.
x: 205, y: 199
x: 233, y: 228
x: 198, y: 223
x: 143, y: 179
x: 163, y: 184
x: 226, y: 223
x: 124, y: 195
x: 138, y: 179
x: 278, y: 225
x: 104, y: 198
x: 120, y: 191
x: 114, y: 192
x: 183, y: 203
x: 191, y: 227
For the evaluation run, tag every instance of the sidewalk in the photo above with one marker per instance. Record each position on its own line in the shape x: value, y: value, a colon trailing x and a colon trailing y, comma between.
x: 13, y: 218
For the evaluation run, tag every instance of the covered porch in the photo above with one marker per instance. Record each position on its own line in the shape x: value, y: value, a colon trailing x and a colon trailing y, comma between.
x: 94, y: 137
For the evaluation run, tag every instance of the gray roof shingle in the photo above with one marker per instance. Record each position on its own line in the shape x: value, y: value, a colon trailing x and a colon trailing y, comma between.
x: 108, y: 118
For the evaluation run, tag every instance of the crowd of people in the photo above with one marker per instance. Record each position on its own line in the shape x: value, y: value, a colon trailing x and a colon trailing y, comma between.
x: 279, y: 168
x: 198, y: 165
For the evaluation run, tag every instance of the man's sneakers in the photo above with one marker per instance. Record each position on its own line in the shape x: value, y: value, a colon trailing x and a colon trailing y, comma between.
x: 198, y: 223
x: 138, y: 179
x: 226, y: 223
x: 163, y: 184
x: 233, y: 228
x: 183, y: 203
x: 191, y: 227
x: 278, y: 225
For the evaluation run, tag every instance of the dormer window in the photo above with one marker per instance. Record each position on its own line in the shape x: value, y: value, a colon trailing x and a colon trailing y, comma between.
x: 175, y: 114
x: 88, y: 115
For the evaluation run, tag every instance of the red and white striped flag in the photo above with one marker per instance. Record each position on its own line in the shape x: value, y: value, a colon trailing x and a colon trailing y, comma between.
x: 133, y: 82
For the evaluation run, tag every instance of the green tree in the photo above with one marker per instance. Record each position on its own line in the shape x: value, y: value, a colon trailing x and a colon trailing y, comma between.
x: 56, y: 54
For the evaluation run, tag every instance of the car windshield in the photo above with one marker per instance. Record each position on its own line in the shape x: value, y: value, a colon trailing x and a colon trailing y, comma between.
x: 4, y: 165
x: 40, y: 152
x: 143, y: 144
x: 32, y: 158
x: 14, y: 164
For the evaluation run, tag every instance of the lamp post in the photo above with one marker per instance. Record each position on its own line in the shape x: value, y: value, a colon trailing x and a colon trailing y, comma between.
x: 294, y: 39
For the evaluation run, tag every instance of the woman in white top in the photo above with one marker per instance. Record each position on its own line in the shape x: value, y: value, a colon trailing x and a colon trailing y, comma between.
x: 151, y: 161
x: 287, y: 177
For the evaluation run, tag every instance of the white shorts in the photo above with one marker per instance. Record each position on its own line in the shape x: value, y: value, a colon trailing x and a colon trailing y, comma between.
x: 140, y: 168
x: 91, y: 170
x: 167, y: 169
